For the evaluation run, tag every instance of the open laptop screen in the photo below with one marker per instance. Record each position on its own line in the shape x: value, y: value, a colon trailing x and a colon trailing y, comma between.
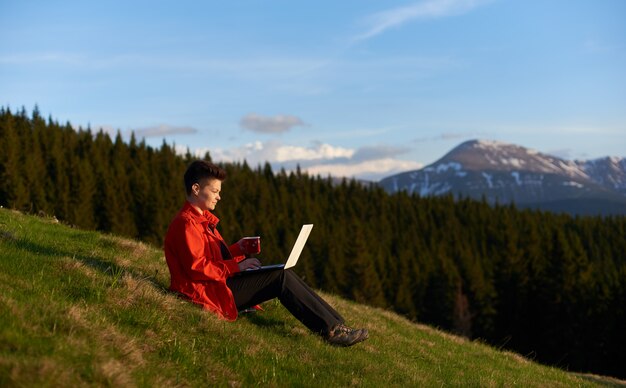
x: 296, y: 250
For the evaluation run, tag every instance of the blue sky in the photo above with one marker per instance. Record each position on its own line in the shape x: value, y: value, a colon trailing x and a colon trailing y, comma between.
x: 354, y: 87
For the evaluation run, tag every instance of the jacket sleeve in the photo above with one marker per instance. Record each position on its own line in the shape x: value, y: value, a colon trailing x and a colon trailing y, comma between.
x: 236, y: 252
x: 191, y: 252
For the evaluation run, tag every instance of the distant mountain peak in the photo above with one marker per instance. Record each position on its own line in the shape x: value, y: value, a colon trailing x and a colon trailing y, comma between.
x: 507, y: 172
x: 484, y: 143
x: 489, y: 155
x: 609, y: 171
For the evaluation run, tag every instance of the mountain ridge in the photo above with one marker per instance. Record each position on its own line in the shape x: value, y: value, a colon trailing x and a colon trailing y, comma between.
x: 509, y: 173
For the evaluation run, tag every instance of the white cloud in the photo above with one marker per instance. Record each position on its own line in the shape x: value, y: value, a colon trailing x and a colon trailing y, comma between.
x: 276, y: 152
x: 373, y: 170
x: 321, y: 151
x: 371, y: 163
x: 267, y: 124
x: 427, y: 9
x: 182, y: 150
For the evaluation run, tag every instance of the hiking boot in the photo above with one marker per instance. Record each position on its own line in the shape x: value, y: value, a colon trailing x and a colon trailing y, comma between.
x: 342, y: 335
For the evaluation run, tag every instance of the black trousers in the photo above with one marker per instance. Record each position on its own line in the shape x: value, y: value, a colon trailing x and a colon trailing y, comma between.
x: 250, y: 289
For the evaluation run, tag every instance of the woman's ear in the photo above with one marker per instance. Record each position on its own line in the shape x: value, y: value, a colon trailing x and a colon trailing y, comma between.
x: 195, y: 188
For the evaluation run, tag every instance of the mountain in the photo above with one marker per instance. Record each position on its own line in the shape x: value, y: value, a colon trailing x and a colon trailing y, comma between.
x: 609, y: 172
x: 505, y: 173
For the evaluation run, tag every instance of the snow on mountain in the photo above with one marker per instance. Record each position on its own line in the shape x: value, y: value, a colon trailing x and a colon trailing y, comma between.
x: 492, y: 155
x: 510, y: 173
x: 609, y: 172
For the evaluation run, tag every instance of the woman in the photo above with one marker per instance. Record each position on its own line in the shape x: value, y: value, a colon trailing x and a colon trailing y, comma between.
x: 202, y: 266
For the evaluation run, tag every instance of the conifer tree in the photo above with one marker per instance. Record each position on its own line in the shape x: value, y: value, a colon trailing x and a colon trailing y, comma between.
x: 33, y: 166
x: 12, y: 188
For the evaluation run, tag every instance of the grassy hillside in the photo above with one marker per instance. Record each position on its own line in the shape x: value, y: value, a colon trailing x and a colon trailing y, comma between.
x: 80, y: 308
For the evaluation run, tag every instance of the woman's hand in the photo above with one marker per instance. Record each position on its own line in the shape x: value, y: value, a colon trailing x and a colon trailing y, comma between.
x: 251, y: 263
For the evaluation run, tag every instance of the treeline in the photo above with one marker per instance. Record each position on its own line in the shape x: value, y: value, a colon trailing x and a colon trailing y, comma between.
x: 548, y: 286
x: 87, y: 179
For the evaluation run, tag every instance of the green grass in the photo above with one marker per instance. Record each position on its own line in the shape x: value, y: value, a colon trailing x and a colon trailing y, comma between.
x: 81, y: 308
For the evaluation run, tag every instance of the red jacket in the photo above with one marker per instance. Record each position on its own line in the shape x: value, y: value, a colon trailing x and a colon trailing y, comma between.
x: 193, y: 250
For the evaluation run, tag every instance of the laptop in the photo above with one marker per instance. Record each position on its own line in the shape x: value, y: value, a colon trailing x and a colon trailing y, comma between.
x: 293, y: 256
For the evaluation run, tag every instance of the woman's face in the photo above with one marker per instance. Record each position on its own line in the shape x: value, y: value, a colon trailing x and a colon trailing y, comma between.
x: 206, y: 194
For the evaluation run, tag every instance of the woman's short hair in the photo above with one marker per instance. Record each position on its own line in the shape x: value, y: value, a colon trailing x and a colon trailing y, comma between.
x: 201, y: 169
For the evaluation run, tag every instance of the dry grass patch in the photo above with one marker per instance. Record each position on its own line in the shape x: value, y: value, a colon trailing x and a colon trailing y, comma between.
x: 142, y: 288
x: 129, y: 288
x: 116, y: 373
x: 517, y: 358
x: 67, y: 264
x: 115, y: 355
x: 135, y: 248
x: 49, y: 368
x: 125, y: 345
x: 44, y: 369
x: 76, y: 313
x: 13, y: 308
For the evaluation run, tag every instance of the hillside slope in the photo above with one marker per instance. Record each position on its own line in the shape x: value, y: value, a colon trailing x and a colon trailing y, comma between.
x: 82, y: 308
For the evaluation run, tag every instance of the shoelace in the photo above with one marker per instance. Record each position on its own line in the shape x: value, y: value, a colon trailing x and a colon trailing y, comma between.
x: 342, y: 329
